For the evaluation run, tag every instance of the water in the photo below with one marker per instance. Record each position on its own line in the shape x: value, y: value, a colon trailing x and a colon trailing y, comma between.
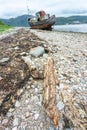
x: 71, y: 28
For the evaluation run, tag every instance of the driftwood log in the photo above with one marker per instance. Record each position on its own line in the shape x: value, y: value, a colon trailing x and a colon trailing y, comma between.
x: 49, y: 92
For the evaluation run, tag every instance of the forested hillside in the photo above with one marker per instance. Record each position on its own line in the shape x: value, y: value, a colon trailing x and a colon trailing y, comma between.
x: 71, y: 20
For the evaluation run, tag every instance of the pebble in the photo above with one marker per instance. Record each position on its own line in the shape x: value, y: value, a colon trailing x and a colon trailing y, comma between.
x: 9, y: 114
x: 34, y: 98
x: 28, y: 87
x: 7, y: 129
x: 5, y: 122
x: 15, y: 128
x: 27, y: 101
x: 45, y: 55
x: 60, y: 105
x: 36, y: 90
x: 1, y: 78
x: 36, y: 116
x: 51, y: 128
x: 16, y: 122
x: 16, y: 48
x: 11, y: 109
x: 17, y: 104
x: 41, y: 125
x: 27, y: 114
x: 28, y: 61
x: 2, y: 127
x: 4, y: 60
x: 23, y: 53
x: 33, y: 86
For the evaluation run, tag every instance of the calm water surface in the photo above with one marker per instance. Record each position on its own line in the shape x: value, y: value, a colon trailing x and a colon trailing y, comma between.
x: 71, y: 28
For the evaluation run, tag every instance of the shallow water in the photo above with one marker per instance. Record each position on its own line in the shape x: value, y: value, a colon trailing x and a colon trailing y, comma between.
x: 71, y: 28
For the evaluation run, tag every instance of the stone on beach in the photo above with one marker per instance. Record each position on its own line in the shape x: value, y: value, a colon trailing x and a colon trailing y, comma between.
x: 37, y: 51
x: 4, y: 60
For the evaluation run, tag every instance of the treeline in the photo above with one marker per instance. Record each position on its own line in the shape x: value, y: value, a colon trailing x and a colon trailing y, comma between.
x: 71, y: 20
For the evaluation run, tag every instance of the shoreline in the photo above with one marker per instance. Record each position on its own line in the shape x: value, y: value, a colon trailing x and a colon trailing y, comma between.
x: 15, y: 29
x: 69, y: 32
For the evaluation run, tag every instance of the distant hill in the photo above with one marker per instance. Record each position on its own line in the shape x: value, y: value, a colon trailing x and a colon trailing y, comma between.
x: 71, y: 20
x: 22, y: 20
x: 18, y: 21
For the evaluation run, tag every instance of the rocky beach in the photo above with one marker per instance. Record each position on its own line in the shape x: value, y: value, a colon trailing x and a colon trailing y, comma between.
x: 23, y: 54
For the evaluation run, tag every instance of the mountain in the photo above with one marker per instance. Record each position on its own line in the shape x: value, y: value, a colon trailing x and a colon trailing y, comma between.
x: 71, y: 20
x: 23, y: 20
x: 18, y: 21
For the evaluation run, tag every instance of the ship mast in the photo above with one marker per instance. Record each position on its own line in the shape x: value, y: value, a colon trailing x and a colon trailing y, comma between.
x: 27, y: 4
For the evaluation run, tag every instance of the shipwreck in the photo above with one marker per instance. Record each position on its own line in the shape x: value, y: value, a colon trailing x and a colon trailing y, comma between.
x: 42, y: 21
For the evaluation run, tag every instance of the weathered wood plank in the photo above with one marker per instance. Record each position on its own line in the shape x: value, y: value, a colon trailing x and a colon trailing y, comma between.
x: 49, y: 97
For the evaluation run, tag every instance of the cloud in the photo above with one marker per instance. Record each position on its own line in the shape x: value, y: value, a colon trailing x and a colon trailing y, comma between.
x: 13, y: 8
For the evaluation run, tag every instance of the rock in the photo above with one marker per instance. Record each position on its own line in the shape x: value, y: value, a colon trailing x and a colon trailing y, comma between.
x: 7, y: 129
x: 17, y: 104
x: 41, y: 125
x: 5, y: 122
x: 33, y: 86
x: 37, y: 51
x: 28, y: 61
x: 28, y: 87
x: 22, y: 128
x: 23, y: 125
x: 36, y: 90
x: 45, y: 55
x: 60, y: 105
x: 9, y: 114
x: 27, y: 101
x: 16, y: 48
x: 34, y: 98
x: 16, y: 122
x: 36, y: 116
x: 2, y: 127
x: 23, y: 53
x: 23, y: 117
x: 1, y: 78
x: 74, y: 59
x: 15, y: 128
x: 4, y: 60
x: 27, y: 114
x: 51, y: 128
x: 36, y: 74
x: 11, y: 109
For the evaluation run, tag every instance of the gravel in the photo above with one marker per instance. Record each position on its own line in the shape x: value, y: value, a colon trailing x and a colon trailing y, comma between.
x: 69, y: 51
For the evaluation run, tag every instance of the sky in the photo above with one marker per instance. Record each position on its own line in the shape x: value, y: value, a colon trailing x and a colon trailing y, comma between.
x: 14, y: 8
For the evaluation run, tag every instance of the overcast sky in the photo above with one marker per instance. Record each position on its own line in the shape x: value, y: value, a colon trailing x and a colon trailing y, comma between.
x: 13, y: 8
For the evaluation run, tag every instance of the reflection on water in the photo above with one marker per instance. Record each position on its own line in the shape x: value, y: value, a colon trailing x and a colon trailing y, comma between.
x: 71, y: 28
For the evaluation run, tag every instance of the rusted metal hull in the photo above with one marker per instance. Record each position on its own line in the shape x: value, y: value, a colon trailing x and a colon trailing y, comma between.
x: 45, y: 24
